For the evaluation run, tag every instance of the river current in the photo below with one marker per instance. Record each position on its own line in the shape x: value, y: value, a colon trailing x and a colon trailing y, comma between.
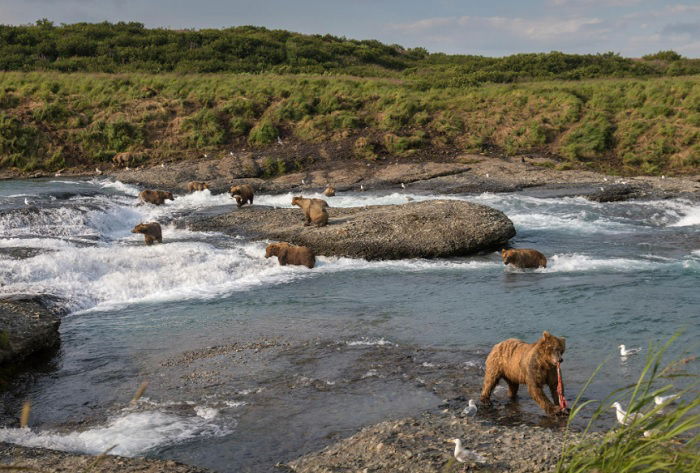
x: 240, y: 352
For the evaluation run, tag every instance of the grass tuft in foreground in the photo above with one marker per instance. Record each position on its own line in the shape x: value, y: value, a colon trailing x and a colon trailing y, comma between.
x: 658, y: 438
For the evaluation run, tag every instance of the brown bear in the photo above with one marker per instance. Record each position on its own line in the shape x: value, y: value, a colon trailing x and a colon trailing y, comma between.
x: 534, y: 364
x: 524, y: 258
x: 290, y: 254
x: 151, y: 232
x: 155, y: 197
x: 196, y: 186
x: 314, y: 210
x: 243, y: 193
x: 329, y: 191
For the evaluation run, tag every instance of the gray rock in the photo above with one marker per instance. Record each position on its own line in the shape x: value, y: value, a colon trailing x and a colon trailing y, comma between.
x: 431, y: 229
x: 28, y: 324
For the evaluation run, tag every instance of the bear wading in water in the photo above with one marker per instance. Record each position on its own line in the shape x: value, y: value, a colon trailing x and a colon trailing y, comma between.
x: 535, y: 364
x: 196, y: 186
x: 290, y: 254
x: 329, y: 191
x: 155, y: 197
x: 524, y: 258
x: 314, y: 210
x: 243, y: 194
x: 151, y: 232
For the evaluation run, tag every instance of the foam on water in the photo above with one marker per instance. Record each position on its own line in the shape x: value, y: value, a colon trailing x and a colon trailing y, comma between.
x: 133, y: 433
x: 347, y: 199
x: 690, y: 217
x: 578, y: 263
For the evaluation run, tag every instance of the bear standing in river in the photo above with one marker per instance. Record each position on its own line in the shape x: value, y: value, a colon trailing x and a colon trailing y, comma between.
x: 314, y: 210
x: 524, y: 258
x: 151, y: 232
x: 329, y: 191
x: 196, y: 186
x: 243, y: 194
x: 290, y: 254
x: 155, y: 197
x: 535, y: 364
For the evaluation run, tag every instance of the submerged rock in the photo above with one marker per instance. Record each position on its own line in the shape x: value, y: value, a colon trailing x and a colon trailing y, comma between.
x: 431, y: 229
x: 28, y: 324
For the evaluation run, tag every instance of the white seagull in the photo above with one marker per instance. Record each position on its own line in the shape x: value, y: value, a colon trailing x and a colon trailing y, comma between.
x: 623, y: 417
x: 403, y: 186
x: 628, y: 351
x: 162, y: 165
x: 362, y: 187
x: 658, y: 400
x: 279, y: 140
x: 471, y: 409
x: 98, y: 171
x: 463, y: 455
x: 303, y: 183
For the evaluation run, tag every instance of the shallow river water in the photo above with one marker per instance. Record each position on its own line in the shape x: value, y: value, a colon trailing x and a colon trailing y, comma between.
x: 240, y: 352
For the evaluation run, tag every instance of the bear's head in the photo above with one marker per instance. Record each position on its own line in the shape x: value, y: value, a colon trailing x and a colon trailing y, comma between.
x: 297, y: 200
x: 204, y: 185
x: 506, y: 255
x: 273, y: 249
x: 140, y: 228
x: 552, y: 348
x: 235, y: 190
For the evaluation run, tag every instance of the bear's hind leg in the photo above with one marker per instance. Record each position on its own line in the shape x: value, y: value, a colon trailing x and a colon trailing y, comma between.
x: 512, y: 389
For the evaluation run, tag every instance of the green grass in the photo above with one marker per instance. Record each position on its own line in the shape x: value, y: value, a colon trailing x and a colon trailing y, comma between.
x: 50, y: 120
x: 672, y: 439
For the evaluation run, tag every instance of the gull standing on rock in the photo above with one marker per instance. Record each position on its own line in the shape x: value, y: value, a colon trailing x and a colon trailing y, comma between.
x: 471, y: 409
x: 463, y: 455
x: 403, y: 186
x: 624, y: 352
x: 623, y: 417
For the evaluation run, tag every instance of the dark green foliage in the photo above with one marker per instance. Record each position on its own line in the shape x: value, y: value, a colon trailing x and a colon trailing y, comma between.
x: 263, y: 133
x: 18, y: 142
x: 130, y: 47
x: 589, y: 140
x: 204, y: 128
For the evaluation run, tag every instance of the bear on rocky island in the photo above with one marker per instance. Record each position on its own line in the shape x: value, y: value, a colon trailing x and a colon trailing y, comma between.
x: 155, y: 197
x: 314, y: 210
x: 291, y: 254
x: 151, y: 232
x: 524, y: 258
x: 243, y: 194
x: 535, y: 364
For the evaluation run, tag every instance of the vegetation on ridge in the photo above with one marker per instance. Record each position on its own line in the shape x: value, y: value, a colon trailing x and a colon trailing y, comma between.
x: 52, y: 120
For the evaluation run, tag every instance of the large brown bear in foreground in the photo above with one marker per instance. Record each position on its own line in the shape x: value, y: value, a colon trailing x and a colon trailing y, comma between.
x: 196, y: 186
x: 524, y: 258
x: 243, y: 193
x: 290, y: 254
x: 151, y: 232
x: 534, y: 364
x: 314, y: 210
x: 155, y: 197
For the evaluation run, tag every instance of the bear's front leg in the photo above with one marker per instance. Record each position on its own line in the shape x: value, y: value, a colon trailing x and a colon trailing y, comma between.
x: 541, y: 399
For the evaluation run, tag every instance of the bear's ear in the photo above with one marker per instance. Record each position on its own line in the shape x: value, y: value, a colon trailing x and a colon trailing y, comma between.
x: 546, y: 334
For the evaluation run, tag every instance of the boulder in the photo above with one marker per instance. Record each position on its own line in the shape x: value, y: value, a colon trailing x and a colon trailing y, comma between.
x: 27, y: 325
x: 430, y: 229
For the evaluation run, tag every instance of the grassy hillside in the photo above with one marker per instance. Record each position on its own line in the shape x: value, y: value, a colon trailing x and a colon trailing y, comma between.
x: 129, y: 47
x: 51, y: 120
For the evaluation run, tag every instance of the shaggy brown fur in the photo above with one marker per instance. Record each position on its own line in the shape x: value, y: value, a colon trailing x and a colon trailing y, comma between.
x: 314, y: 210
x: 196, y: 186
x: 155, y: 197
x: 524, y: 258
x: 151, y: 232
x: 534, y: 364
x: 290, y: 254
x: 330, y: 191
x: 243, y: 194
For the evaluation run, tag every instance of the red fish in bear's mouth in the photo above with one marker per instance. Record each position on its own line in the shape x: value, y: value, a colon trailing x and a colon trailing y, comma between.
x: 560, y: 389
